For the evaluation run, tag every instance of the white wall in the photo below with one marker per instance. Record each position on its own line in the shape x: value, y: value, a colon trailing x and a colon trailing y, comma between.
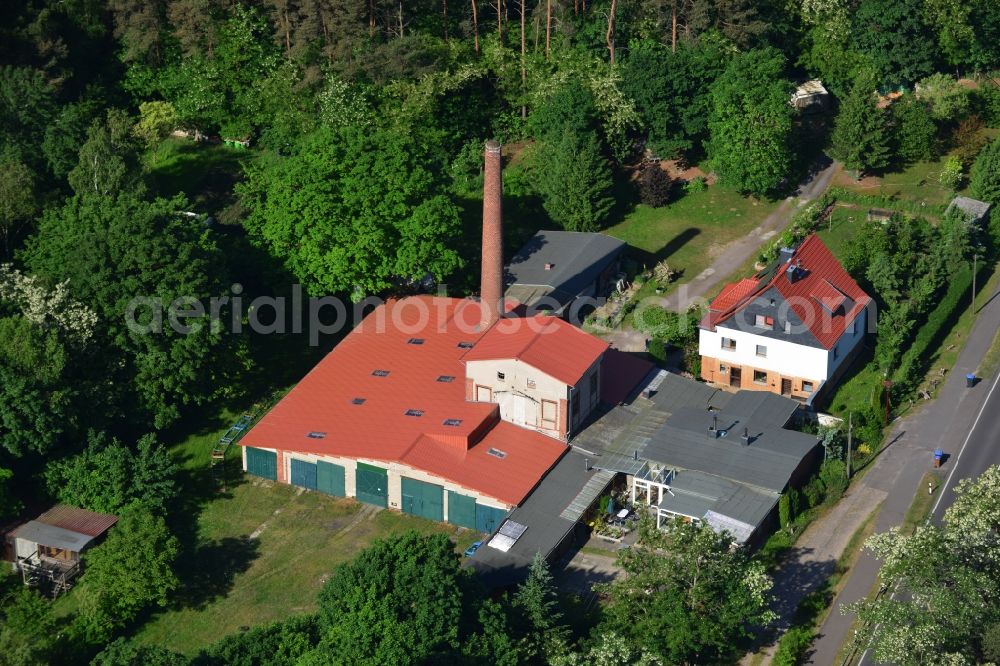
x: 852, y: 336
x: 787, y: 358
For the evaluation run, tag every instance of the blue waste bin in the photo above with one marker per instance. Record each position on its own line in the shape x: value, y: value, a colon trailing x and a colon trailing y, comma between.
x: 970, y: 380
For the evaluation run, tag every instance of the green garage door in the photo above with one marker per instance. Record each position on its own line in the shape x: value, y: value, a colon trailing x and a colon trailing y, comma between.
x: 330, y: 478
x: 423, y: 499
x: 262, y: 463
x: 303, y: 474
x: 373, y: 485
x: 461, y: 510
x: 488, y: 519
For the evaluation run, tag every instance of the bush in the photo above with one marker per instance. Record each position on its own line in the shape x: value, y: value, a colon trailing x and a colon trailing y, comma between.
x: 833, y: 476
x: 654, y: 186
x: 914, y: 131
x: 658, y: 349
x: 696, y: 184
x: 968, y: 140
x: 793, y: 646
x: 784, y: 511
x: 813, y: 492
x: 951, y: 173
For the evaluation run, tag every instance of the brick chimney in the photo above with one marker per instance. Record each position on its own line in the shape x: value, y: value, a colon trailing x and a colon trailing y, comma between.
x: 491, y: 283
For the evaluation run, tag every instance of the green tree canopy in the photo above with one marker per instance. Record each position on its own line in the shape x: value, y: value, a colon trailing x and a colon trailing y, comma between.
x: 894, y: 38
x: 690, y: 603
x: 750, y: 122
x: 354, y: 210
x: 18, y: 201
x: 399, y: 601
x: 574, y: 179
x: 114, y: 250
x: 950, y: 578
x: 131, y: 571
x: 860, y: 135
x: 671, y: 90
x: 984, y: 179
x: 125, y: 652
x: 108, y: 476
x: 914, y: 131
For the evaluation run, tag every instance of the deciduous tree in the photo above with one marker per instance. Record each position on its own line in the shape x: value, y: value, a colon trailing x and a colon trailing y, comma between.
x: 131, y: 571
x: 750, y: 122
x: 399, y: 601
x: 355, y: 211
x: 688, y: 596
x: 109, y: 476
x: 949, y: 579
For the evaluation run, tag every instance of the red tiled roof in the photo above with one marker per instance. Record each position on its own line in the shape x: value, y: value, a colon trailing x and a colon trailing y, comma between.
x: 734, y: 293
x: 549, y: 344
x: 817, y: 296
x: 78, y: 520
x: 379, y: 429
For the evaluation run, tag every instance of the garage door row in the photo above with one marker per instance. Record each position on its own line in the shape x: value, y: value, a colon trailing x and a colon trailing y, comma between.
x: 419, y: 498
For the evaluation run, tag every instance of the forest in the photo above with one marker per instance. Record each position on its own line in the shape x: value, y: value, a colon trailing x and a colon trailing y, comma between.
x: 191, y: 149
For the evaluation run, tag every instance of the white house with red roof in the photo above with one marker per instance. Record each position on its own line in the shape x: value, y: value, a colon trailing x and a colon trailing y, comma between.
x: 789, y: 329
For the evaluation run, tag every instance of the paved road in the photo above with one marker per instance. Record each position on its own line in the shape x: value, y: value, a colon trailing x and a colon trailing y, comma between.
x: 981, y: 450
x: 948, y: 422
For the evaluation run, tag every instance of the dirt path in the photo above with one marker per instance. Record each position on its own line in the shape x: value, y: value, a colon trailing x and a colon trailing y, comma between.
x: 736, y: 253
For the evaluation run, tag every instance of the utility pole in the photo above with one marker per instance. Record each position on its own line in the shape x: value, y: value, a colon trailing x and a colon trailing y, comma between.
x: 850, y: 438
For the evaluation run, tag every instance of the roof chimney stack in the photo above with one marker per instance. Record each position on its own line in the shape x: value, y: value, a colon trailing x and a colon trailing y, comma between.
x: 491, y: 283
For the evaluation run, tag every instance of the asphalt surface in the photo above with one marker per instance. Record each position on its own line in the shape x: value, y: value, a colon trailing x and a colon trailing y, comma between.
x: 979, y: 451
x: 964, y: 423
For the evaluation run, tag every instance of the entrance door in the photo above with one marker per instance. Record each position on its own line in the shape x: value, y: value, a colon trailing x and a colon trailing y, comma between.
x: 372, y: 485
x: 786, y: 386
x: 517, y: 409
x: 735, y: 377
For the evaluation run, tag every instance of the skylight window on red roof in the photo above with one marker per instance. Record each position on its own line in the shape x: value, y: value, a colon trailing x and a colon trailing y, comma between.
x: 415, y: 341
x: 497, y: 453
x: 316, y: 435
x: 358, y: 401
x: 380, y: 373
x: 414, y: 412
x: 454, y: 423
x: 466, y: 345
x: 446, y: 379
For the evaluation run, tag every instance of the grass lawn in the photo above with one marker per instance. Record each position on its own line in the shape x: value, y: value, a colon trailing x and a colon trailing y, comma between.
x: 917, y: 182
x: 230, y: 580
x: 689, y: 232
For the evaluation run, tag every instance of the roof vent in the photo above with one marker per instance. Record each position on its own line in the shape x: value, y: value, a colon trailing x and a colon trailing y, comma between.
x: 713, y: 430
x: 414, y: 412
x: 497, y: 453
x: 746, y: 437
x: 316, y: 435
x: 549, y: 266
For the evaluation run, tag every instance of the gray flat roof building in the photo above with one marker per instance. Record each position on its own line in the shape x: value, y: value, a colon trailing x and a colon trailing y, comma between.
x: 554, y: 268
